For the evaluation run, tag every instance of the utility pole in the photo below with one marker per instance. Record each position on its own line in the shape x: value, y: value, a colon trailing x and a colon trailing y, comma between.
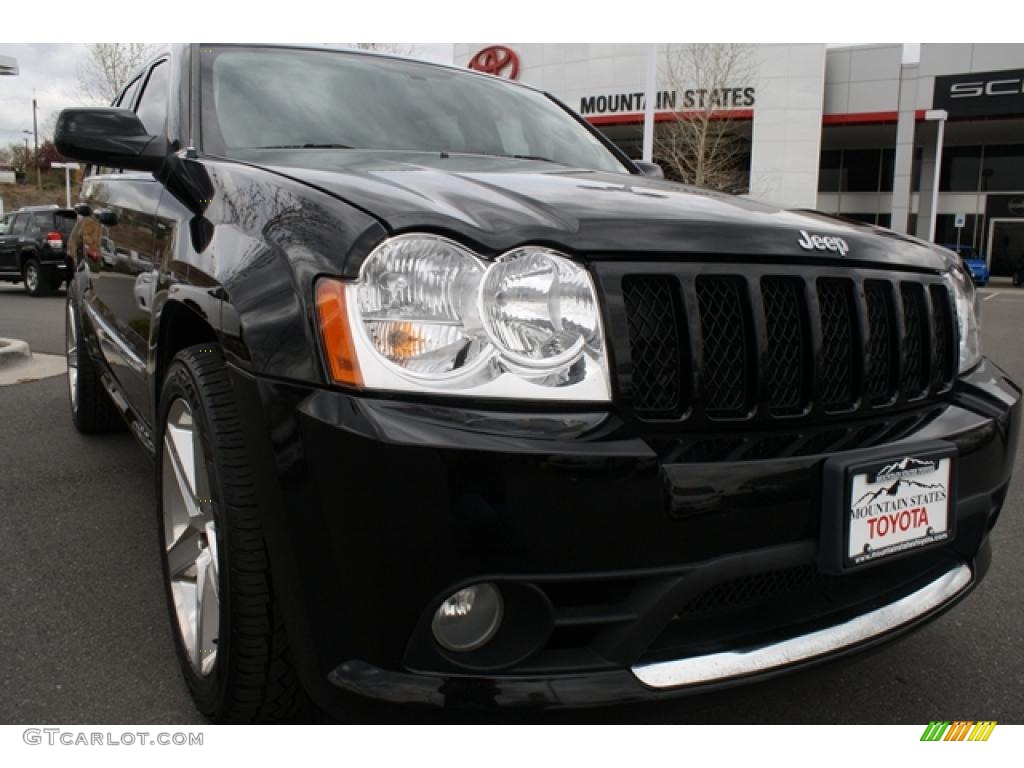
x: 35, y: 137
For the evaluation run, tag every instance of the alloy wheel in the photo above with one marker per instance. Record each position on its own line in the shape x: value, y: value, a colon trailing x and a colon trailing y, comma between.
x: 71, y: 342
x: 32, y: 278
x: 190, y: 538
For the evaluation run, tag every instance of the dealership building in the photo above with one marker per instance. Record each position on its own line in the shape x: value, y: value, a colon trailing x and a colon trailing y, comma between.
x: 933, y: 147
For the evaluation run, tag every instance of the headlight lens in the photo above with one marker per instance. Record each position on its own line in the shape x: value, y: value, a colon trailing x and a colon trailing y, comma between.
x: 968, y: 315
x: 416, y: 298
x: 428, y: 315
x: 539, y: 308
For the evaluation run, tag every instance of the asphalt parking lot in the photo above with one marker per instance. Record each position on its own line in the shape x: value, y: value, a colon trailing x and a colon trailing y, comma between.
x: 85, y: 638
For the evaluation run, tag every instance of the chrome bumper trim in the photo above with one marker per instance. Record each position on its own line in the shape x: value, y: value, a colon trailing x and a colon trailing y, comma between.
x: 721, y: 666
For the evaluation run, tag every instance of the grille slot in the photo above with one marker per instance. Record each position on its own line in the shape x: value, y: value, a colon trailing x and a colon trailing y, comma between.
x: 747, y: 590
x: 726, y: 338
x: 656, y: 345
x: 786, y: 358
x: 734, y: 343
x: 945, y: 333
x: 835, y: 299
x: 880, y: 376
x: 915, y: 346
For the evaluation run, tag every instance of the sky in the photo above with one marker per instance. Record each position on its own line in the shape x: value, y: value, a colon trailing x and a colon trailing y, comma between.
x: 51, y: 71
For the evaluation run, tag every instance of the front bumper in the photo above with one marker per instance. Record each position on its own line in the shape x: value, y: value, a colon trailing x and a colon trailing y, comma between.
x: 649, y: 682
x: 631, y: 575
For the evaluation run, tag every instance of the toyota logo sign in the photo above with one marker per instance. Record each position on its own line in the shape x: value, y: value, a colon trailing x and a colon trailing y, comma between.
x: 498, y: 60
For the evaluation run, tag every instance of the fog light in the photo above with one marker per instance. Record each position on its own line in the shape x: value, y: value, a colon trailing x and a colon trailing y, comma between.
x: 468, y: 619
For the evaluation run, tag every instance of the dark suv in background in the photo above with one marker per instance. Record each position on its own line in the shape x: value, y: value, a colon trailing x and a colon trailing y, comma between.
x: 452, y: 403
x: 33, y: 248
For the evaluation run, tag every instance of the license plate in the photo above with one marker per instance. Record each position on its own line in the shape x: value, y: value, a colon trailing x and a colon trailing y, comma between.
x: 891, y: 506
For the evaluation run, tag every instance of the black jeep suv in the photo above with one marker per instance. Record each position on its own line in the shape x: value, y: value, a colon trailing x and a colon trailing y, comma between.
x: 32, y: 248
x: 452, y: 403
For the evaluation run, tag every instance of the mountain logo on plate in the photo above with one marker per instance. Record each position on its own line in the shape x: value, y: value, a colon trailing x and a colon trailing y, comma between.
x: 905, y: 468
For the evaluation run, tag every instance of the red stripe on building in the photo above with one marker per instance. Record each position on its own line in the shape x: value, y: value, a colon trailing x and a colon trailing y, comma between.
x: 867, y: 118
x: 850, y: 118
x: 630, y: 118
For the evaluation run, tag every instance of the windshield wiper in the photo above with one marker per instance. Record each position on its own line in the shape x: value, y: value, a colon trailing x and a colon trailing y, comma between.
x: 538, y: 158
x: 533, y: 157
x: 304, y: 146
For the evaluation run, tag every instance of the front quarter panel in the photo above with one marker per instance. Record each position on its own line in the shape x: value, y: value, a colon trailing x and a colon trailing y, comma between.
x: 246, y: 257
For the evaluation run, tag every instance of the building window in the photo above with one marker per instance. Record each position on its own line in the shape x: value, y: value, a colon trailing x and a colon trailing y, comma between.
x: 888, y: 171
x: 860, y: 170
x: 856, y: 170
x: 915, y: 171
x: 829, y: 170
x: 960, y: 169
x: 946, y: 231
x: 1003, y: 168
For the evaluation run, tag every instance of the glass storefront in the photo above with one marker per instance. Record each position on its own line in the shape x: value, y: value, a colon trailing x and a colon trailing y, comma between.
x: 856, y: 170
x: 970, y: 174
x: 946, y: 232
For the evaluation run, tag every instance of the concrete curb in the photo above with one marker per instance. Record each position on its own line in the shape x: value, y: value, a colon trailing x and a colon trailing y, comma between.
x: 19, y: 366
x: 14, y: 352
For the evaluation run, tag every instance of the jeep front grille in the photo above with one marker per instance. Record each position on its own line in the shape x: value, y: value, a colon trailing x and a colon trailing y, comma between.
x: 769, y: 343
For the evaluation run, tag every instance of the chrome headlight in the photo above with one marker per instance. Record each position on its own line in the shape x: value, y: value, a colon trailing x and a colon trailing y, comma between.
x: 968, y: 315
x: 428, y: 315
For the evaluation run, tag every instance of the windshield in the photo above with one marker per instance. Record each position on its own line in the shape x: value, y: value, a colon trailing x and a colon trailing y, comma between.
x: 267, y: 98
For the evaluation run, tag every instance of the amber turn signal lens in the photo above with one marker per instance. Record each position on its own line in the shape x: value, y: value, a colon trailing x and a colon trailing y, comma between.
x: 336, y: 334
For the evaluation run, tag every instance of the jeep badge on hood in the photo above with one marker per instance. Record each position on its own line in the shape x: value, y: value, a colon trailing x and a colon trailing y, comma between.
x: 820, y: 243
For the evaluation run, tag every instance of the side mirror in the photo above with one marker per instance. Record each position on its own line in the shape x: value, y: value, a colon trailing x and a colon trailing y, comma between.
x: 650, y: 169
x: 110, y: 137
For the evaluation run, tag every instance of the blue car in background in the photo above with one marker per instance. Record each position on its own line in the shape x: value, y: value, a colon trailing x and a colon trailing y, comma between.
x: 975, y: 264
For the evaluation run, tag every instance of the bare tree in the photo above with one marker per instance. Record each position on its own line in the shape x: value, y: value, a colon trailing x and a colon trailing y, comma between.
x: 49, y: 125
x: 19, y: 156
x: 399, y: 49
x: 704, y: 144
x: 107, y: 67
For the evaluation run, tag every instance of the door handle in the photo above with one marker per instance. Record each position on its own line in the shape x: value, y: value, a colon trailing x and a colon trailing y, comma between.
x: 106, y: 216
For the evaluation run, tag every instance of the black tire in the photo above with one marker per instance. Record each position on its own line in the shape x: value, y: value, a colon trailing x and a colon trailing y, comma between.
x: 1016, y: 278
x: 32, y: 278
x: 252, y: 679
x: 92, y: 410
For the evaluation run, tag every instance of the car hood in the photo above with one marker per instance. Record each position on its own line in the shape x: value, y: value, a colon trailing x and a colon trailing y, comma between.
x: 498, y: 203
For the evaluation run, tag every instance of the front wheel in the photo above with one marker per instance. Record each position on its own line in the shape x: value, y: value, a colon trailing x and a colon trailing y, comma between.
x: 229, y: 633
